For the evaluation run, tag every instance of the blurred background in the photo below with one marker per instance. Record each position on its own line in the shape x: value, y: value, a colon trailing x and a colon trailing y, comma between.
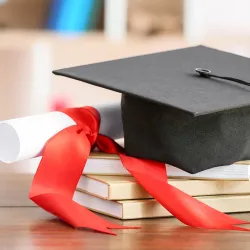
x: 37, y: 36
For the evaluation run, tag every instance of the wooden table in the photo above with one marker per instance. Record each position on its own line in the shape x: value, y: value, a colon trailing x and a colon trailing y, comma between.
x: 32, y: 228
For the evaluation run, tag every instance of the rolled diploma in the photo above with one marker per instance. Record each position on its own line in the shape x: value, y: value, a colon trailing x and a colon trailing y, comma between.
x: 24, y: 138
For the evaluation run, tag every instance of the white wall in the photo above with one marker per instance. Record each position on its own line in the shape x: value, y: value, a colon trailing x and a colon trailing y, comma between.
x: 206, y: 18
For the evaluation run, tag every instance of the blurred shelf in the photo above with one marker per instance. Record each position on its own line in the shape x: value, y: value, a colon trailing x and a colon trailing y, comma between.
x: 88, y: 47
x: 15, y: 36
x: 24, y: 37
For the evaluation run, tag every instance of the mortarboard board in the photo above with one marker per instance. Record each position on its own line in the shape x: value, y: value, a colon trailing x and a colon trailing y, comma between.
x: 174, y: 115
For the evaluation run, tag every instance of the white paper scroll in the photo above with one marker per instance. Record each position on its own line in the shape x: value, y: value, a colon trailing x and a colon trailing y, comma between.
x: 24, y: 138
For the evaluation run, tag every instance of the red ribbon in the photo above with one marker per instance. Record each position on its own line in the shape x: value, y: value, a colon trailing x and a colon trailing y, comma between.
x: 62, y: 164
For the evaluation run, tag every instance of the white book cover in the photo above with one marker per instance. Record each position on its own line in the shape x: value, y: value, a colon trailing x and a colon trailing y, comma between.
x: 104, y: 164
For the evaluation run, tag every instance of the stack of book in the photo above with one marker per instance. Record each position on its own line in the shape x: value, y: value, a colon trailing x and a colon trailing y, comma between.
x: 108, y: 188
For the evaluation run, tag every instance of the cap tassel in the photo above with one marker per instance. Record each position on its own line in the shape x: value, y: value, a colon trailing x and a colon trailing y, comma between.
x: 208, y: 74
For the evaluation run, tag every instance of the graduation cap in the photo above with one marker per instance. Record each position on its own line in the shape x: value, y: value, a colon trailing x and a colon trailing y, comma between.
x: 187, y: 107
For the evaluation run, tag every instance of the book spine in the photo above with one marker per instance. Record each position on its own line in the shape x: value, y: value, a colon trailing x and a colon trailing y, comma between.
x: 70, y: 15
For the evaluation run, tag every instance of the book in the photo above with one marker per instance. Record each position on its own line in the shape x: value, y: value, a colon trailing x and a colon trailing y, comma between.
x: 127, y: 188
x: 73, y: 15
x: 150, y: 208
x: 100, y: 163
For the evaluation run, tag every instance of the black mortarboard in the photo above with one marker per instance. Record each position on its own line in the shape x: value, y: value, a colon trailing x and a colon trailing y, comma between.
x: 173, y: 114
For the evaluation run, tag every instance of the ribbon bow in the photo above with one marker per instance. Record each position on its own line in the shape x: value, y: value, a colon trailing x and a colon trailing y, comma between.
x: 62, y: 165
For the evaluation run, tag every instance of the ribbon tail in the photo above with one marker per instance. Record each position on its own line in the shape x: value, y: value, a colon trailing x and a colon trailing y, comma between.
x: 153, y: 178
x: 71, y: 212
x: 56, y: 179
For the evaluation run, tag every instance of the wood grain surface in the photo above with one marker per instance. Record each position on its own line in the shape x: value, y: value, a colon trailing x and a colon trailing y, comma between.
x: 33, y: 228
